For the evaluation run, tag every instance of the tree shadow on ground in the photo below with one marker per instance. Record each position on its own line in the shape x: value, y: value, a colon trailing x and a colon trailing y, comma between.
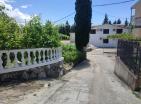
x: 83, y: 65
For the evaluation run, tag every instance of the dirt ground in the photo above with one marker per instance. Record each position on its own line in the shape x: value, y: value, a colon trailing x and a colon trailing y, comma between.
x: 10, y: 93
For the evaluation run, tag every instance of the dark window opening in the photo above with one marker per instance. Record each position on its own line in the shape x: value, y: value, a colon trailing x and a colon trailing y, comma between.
x: 119, y: 31
x: 106, y: 41
x: 93, y: 31
x: 106, y: 31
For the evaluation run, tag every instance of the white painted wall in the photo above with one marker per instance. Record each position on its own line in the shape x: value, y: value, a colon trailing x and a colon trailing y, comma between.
x: 97, y: 39
x: 72, y: 37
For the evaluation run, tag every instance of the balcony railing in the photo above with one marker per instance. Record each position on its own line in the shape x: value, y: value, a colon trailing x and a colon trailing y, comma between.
x: 24, y: 59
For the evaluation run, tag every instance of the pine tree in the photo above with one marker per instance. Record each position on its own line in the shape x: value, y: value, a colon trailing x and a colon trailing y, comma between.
x: 110, y: 22
x: 118, y: 21
x: 83, y: 23
x: 72, y: 28
x: 106, y: 19
x: 67, y: 28
x: 115, y: 22
x: 126, y: 22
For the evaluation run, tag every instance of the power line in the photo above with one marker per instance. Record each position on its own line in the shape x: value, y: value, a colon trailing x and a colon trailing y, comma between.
x: 65, y: 17
x: 100, y: 5
x: 116, y: 3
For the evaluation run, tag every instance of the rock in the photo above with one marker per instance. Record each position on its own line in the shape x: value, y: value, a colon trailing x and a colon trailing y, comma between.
x: 33, y: 75
x: 49, y: 84
x: 25, y: 76
x: 34, y: 94
x: 42, y: 75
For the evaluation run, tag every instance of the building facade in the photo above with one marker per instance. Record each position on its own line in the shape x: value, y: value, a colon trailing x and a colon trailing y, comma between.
x: 98, y: 35
x: 136, y: 19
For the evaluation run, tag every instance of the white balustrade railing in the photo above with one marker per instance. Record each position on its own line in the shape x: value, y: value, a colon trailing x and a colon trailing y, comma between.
x: 23, y: 59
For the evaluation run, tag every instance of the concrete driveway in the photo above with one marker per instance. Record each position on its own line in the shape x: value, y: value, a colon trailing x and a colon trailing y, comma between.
x: 91, y: 82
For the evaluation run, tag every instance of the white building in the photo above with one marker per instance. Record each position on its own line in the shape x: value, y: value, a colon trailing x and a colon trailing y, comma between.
x: 98, y: 35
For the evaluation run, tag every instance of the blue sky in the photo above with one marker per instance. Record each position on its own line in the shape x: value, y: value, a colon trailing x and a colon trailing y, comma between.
x: 56, y: 9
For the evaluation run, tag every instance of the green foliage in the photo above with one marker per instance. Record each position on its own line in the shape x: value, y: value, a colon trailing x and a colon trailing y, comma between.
x: 71, y: 55
x: 50, y: 35
x: 64, y: 37
x: 65, y: 28
x: 126, y: 22
x: 72, y: 29
x: 118, y: 21
x: 122, y: 36
x: 110, y: 22
x: 106, y: 19
x: 32, y: 35
x: 82, y: 23
x: 115, y: 22
x: 37, y: 35
x: 9, y: 31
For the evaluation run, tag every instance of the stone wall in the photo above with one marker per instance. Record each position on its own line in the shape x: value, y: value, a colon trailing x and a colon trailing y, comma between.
x: 53, y: 70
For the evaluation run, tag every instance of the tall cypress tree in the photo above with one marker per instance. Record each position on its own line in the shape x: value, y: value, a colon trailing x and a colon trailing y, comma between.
x: 82, y: 23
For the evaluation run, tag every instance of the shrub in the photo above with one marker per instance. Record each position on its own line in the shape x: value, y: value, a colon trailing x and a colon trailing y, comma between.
x: 32, y: 35
x: 64, y: 37
x: 122, y: 36
x: 71, y: 55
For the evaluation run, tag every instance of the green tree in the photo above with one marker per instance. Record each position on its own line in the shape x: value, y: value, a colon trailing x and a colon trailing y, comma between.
x: 126, y: 22
x: 67, y: 28
x: 50, y: 36
x: 83, y: 23
x: 118, y: 21
x: 62, y: 29
x: 106, y: 19
x: 110, y: 22
x: 32, y: 33
x: 9, y: 31
x: 72, y: 28
x: 115, y: 22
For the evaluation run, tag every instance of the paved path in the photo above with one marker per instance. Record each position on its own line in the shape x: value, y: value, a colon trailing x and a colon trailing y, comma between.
x: 92, y: 82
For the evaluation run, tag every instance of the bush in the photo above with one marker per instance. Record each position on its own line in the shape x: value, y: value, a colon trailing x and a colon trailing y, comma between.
x: 32, y: 35
x: 122, y: 36
x: 71, y: 55
x: 64, y: 37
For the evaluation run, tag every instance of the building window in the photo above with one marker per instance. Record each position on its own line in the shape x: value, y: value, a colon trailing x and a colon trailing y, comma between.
x: 93, y: 31
x: 105, y: 31
x: 119, y: 31
x: 105, y: 41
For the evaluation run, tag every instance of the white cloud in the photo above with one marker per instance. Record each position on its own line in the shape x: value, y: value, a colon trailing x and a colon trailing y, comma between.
x: 26, y: 6
x: 15, y: 12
